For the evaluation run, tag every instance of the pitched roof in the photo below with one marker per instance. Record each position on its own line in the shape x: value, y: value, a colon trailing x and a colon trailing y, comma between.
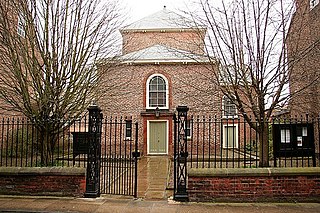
x: 163, y: 19
x: 162, y: 54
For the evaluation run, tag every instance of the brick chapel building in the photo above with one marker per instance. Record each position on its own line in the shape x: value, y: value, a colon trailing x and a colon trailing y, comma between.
x: 303, y: 43
x: 163, y: 65
x: 17, y: 25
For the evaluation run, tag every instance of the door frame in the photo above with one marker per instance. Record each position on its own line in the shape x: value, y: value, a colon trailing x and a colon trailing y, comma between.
x: 167, y: 136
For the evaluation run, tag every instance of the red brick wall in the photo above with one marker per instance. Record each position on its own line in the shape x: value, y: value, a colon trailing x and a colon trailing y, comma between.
x: 303, y: 55
x: 43, y: 181
x: 123, y: 93
x: 248, y: 186
x: 193, y: 40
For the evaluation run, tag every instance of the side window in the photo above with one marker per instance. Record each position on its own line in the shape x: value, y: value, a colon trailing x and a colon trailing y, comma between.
x: 189, y: 128
x: 128, y: 130
x: 230, y: 136
x: 21, y: 26
x: 157, y: 92
x: 228, y: 107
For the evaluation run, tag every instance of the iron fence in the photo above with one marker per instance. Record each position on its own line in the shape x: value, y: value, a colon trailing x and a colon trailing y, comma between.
x: 119, y: 156
x: 48, y: 143
x: 233, y: 142
x: 35, y: 143
x: 27, y: 143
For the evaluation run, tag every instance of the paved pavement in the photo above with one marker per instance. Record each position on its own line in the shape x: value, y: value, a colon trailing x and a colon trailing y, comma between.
x: 153, y: 176
x: 120, y: 204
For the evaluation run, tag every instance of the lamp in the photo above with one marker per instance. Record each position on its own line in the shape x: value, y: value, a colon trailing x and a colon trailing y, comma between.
x: 157, y: 112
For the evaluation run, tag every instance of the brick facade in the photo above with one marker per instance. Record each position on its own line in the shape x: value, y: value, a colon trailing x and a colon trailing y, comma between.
x: 303, y: 55
x: 191, y: 82
x: 129, y: 99
x: 12, y: 16
x: 136, y: 40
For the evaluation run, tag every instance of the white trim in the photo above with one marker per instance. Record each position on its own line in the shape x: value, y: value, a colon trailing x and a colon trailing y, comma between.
x: 236, y: 136
x: 165, y: 61
x: 148, y: 136
x: 127, y: 30
x: 147, y: 91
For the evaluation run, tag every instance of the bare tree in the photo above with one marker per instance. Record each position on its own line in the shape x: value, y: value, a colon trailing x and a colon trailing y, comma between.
x: 48, y: 64
x: 248, y: 38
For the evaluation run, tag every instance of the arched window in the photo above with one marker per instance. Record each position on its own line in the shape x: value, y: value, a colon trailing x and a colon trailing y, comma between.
x: 157, y: 92
x: 228, y: 107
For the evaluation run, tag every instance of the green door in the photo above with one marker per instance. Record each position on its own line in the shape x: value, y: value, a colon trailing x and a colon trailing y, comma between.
x: 157, y: 137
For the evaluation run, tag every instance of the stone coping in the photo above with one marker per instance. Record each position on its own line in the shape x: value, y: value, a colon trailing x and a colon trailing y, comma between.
x: 52, y: 171
x: 253, y: 172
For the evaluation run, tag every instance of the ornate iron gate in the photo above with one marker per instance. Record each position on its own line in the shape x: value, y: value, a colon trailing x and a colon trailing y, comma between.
x: 180, y: 154
x: 119, y: 157
x: 112, y: 155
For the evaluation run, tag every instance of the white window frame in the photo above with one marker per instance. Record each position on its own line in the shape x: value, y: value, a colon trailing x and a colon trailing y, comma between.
x: 225, y: 126
x: 147, y: 91
x: 313, y: 3
x: 21, y: 25
x: 223, y: 110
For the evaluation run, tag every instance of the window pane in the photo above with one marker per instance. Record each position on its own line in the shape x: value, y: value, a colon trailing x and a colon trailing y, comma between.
x: 157, y: 92
x: 153, y: 95
x: 188, y: 128
x: 152, y: 102
x: 229, y: 108
x: 161, y: 103
x: 161, y: 87
x: 128, y: 129
x: 230, y: 137
x: 285, y: 135
x: 161, y: 95
x: 153, y: 87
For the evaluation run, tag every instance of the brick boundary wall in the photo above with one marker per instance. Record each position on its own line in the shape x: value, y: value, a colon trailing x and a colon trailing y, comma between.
x: 254, y: 185
x: 55, y: 181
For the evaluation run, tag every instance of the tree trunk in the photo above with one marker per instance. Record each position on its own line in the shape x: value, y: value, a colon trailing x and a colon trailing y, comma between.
x: 47, y: 146
x: 264, y: 146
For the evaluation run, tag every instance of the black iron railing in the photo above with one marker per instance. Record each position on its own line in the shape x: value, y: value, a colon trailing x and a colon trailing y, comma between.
x: 231, y: 142
x: 119, y: 151
x: 25, y: 143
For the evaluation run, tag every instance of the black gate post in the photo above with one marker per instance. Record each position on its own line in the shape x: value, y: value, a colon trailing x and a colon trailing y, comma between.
x: 180, y: 154
x: 94, y: 152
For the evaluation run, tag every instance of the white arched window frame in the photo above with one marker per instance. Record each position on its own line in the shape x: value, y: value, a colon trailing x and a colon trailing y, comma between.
x: 229, y: 109
x: 152, y: 92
